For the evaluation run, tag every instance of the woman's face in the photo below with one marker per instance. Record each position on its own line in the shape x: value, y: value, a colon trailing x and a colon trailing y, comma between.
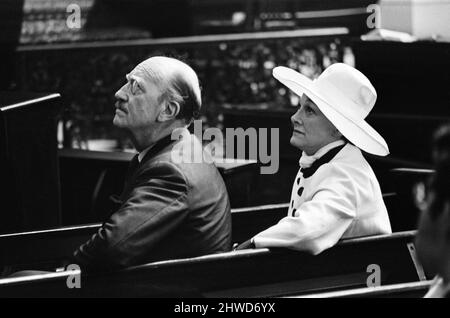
x: 312, y: 130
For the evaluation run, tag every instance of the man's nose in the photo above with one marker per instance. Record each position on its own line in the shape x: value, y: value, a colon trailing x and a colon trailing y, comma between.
x: 121, y: 95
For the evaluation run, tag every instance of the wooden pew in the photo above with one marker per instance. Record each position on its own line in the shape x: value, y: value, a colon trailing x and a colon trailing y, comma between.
x: 247, y: 222
x: 405, y: 290
x: 29, y: 176
x: 251, y: 273
x: 44, y: 249
x: 89, y: 178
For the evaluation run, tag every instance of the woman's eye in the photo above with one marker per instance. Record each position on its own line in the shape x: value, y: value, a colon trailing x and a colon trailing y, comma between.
x: 309, y: 110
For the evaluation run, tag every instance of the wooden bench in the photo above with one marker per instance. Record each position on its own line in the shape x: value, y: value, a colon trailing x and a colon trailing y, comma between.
x: 45, y: 249
x: 89, y: 178
x: 251, y: 273
x: 29, y: 177
x: 405, y: 290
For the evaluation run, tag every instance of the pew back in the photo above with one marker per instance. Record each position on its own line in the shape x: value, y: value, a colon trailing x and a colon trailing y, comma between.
x: 252, y: 273
x: 45, y: 249
x: 29, y: 174
x: 89, y: 178
x: 42, y: 249
x: 406, y: 290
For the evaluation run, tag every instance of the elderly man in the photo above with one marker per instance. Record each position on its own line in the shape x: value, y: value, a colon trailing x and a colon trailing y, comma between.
x: 168, y: 208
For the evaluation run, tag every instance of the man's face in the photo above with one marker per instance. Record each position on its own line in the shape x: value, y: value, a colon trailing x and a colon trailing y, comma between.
x: 312, y: 130
x: 137, y: 102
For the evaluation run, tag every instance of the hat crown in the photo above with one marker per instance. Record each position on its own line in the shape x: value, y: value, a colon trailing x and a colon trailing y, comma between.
x: 344, y: 83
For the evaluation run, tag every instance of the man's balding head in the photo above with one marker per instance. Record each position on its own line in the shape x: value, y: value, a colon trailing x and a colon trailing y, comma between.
x: 177, y: 81
x: 161, y: 95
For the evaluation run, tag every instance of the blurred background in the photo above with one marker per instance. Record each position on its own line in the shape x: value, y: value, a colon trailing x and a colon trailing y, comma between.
x: 82, y: 49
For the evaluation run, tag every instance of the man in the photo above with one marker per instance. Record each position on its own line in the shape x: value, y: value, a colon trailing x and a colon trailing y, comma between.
x: 335, y: 194
x: 168, y: 208
x: 433, y: 238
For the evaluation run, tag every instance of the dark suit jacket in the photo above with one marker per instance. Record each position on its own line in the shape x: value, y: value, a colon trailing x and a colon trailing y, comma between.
x: 168, y: 210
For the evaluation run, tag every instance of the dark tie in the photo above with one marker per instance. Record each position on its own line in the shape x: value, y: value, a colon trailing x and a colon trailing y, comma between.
x: 117, y: 200
x: 134, y: 163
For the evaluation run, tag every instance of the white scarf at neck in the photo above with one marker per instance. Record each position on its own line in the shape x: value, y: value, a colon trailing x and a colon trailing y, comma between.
x: 307, y: 161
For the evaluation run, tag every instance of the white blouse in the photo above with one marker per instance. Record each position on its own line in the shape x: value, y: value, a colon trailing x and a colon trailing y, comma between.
x: 342, y: 199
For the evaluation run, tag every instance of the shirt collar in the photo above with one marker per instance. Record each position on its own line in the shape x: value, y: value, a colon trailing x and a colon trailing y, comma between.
x: 307, y: 161
x: 143, y: 153
x: 162, y: 143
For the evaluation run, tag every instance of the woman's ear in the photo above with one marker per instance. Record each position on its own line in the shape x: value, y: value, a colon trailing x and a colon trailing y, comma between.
x: 169, y: 111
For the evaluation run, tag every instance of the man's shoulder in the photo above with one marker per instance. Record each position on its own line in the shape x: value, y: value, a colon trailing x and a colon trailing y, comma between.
x: 185, y: 157
x: 182, y: 152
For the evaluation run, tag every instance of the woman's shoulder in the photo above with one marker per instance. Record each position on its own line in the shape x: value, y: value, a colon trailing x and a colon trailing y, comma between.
x: 350, y: 157
x: 349, y: 163
x: 349, y: 153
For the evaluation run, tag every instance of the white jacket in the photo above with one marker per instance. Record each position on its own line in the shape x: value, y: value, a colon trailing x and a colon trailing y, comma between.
x: 342, y: 199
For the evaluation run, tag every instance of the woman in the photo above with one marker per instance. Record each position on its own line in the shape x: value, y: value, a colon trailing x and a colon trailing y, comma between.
x: 433, y: 239
x: 335, y: 193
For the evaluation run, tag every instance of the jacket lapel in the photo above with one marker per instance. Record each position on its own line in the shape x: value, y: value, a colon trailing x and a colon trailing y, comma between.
x: 308, y: 172
x: 135, y: 164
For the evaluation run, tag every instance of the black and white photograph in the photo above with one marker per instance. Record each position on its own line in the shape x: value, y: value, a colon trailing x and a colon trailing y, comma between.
x: 228, y: 156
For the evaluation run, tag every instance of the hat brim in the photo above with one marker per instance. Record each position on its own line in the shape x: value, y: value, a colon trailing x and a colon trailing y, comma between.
x: 359, y: 132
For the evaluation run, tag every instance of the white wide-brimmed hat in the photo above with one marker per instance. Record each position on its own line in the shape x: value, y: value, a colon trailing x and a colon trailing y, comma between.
x: 345, y: 96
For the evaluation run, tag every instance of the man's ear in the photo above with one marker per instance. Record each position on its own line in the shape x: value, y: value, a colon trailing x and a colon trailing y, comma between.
x: 169, y: 111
